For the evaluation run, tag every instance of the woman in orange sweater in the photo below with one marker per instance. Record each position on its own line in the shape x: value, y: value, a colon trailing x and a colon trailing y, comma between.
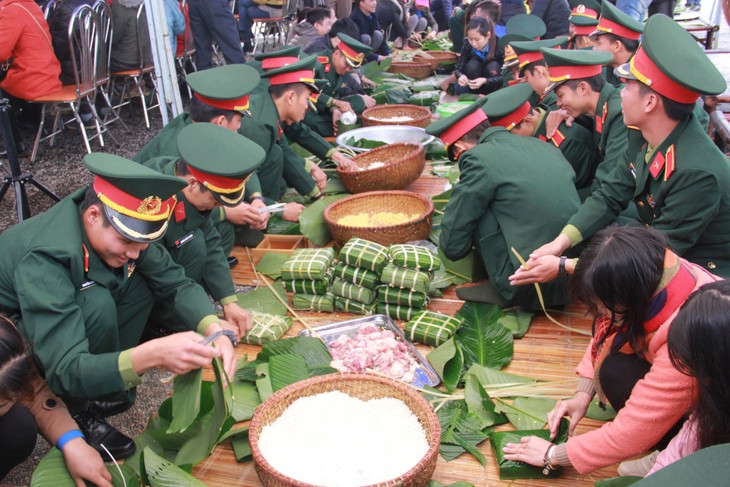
x: 635, y: 285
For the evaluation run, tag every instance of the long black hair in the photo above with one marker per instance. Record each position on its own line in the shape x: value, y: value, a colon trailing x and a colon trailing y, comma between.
x: 699, y: 345
x: 17, y: 367
x: 621, y: 269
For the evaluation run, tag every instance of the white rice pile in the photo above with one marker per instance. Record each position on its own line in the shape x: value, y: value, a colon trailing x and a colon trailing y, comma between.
x: 394, y: 118
x: 335, y: 440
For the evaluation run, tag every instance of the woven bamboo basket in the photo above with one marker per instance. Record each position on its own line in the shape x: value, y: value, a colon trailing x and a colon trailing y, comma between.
x: 414, y: 70
x: 404, y: 163
x: 376, y: 202
x: 379, y: 115
x: 437, y: 58
x: 362, y: 386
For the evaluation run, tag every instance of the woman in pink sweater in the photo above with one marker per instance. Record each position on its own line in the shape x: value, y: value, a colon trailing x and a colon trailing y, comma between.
x: 635, y: 285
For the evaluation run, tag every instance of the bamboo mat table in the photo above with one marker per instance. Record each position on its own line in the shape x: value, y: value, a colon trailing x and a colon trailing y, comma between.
x: 546, y: 352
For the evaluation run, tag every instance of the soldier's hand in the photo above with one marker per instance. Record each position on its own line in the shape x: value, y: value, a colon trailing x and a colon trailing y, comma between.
x: 179, y: 353
x: 553, y: 121
x: 343, y: 106
x: 292, y: 212
x: 539, y: 269
x: 85, y: 464
x: 344, y: 162
x: 237, y: 319
x: 319, y: 176
x: 369, y: 101
x: 259, y: 203
x: 366, y: 82
x: 228, y: 355
x: 245, y: 214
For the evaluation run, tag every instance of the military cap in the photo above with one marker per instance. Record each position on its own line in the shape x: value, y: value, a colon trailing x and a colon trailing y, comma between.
x: 225, y: 87
x: 137, y: 200
x: 353, y: 50
x: 565, y: 64
x: 529, y: 51
x: 521, y: 27
x: 613, y: 21
x: 301, y: 71
x: 281, y: 57
x: 509, y: 106
x: 454, y: 127
x: 584, y: 16
x: 670, y: 62
x: 221, y: 160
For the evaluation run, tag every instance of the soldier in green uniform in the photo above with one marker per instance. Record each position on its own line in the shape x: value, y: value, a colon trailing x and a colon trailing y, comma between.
x: 215, y: 163
x: 534, y: 71
x: 678, y: 178
x: 221, y: 97
x: 338, y: 95
x: 618, y: 34
x: 581, y: 90
x: 583, y: 20
x: 81, y: 279
x: 513, y: 191
x: 574, y: 141
x: 298, y: 132
x: 521, y: 27
x: 285, y: 102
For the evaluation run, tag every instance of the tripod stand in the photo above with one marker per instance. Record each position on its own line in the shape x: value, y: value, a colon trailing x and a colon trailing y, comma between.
x: 17, y: 179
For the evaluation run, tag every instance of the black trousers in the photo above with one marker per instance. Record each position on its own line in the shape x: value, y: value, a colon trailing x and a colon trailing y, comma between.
x: 18, y: 435
x: 213, y: 20
x: 618, y: 375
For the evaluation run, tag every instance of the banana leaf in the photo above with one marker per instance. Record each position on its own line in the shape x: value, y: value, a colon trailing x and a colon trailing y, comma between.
x: 618, y: 481
x: 263, y: 300
x: 51, y: 471
x: 480, y: 404
x: 526, y: 412
x: 158, y: 426
x: 163, y: 473
x: 313, y: 350
x: 241, y: 448
x: 270, y: 264
x: 185, y: 400
x: 491, y: 377
x: 510, y: 469
x: 398, y: 95
x: 286, y: 369
x: 517, y: 321
x: 595, y: 411
x: 311, y: 220
x: 263, y: 381
x: 468, y: 97
x: 460, y: 432
x: 448, y: 361
x: 233, y: 433
x: 279, y: 226
x: 483, y: 340
x: 334, y: 186
x: 245, y: 401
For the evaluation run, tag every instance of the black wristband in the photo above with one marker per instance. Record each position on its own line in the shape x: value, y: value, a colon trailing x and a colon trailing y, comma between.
x: 561, y: 266
x: 231, y: 336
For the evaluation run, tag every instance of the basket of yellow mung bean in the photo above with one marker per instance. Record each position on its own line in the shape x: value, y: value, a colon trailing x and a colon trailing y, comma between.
x: 384, y: 217
x: 393, y: 166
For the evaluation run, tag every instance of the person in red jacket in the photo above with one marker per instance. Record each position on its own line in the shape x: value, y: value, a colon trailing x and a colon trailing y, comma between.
x: 33, y: 69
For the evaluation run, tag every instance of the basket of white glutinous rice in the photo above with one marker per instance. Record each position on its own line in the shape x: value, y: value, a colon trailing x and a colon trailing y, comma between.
x: 345, y: 430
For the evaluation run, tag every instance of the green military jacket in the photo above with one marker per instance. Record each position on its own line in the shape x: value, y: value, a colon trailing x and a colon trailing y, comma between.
x: 611, y: 78
x: 282, y: 166
x: 513, y: 192
x: 576, y: 144
x: 549, y: 101
x: 325, y: 70
x: 81, y: 316
x: 690, y: 204
x: 165, y: 142
x: 609, y: 133
x: 193, y: 241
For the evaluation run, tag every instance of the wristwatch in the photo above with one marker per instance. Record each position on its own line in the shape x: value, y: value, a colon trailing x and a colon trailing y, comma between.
x: 561, y: 267
x: 231, y: 336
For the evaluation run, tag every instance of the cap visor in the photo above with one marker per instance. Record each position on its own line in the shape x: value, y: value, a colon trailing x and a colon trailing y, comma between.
x: 597, y: 33
x: 230, y: 199
x: 313, y: 87
x: 139, y: 231
x: 624, y: 71
x: 510, y: 64
x: 245, y: 113
x: 351, y: 63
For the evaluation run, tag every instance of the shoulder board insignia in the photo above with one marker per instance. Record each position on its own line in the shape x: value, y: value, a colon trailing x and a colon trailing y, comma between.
x: 542, y: 137
x: 180, y: 212
x: 602, y: 119
x: 327, y: 68
x: 86, y: 257
x: 657, y: 165
x: 323, y: 59
x: 669, y: 162
x: 131, y: 266
x: 558, y: 138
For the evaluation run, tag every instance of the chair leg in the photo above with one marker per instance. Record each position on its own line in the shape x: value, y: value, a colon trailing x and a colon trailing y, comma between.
x: 82, y: 128
x: 37, y: 141
x: 113, y: 115
x: 142, y: 98
x: 97, y: 121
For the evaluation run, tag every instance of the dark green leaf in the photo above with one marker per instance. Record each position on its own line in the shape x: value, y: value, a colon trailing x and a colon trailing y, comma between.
x: 483, y: 340
x: 463, y: 269
x: 264, y: 300
x: 270, y: 264
x: 241, y: 448
x: 595, y: 411
x: 458, y: 429
x: 324, y: 370
x: 277, y: 226
x: 245, y: 401
x: 447, y: 360
x: 526, y: 413
x: 127, y: 477
x: 162, y: 473
x: 51, y: 471
x: 617, y: 482
x: 286, y: 369
x: 491, y: 377
x: 263, y: 381
x: 232, y: 434
x: 517, y: 321
x: 313, y: 350
x: 467, y: 445
x: 185, y: 400
x: 480, y: 404
x: 311, y: 220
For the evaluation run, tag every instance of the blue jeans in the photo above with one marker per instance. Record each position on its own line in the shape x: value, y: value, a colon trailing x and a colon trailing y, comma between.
x: 634, y: 8
x: 247, y: 11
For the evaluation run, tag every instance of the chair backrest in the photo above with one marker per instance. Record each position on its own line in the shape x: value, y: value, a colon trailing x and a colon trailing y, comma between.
x: 106, y: 33
x: 83, y: 41
x: 188, y: 43
x: 146, y: 61
x: 50, y: 6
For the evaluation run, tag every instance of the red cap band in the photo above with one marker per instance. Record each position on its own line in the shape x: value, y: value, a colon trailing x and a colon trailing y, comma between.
x: 214, y: 182
x: 610, y: 27
x: 236, y: 104
x: 584, y: 30
x: 460, y: 128
x: 529, y: 57
x: 562, y: 73
x: 349, y: 52
x: 513, y: 118
x: 644, y: 69
x: 304, y: 76
x: 277, y: 62
x: 152, y: 208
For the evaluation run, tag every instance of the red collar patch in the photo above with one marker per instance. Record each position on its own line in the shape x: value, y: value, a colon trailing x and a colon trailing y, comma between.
x: 180, y: 212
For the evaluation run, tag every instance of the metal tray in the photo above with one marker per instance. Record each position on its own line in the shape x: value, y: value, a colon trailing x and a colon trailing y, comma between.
x: 391, y: 134
x: 425, y: 375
